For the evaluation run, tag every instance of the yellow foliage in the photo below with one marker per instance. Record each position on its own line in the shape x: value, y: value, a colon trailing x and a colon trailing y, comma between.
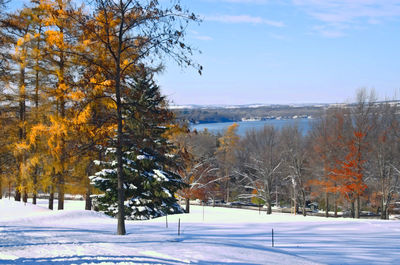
x: 83, y: 116
x: 20, y: 148
x: 22, y: 89
x: 228, y: 144
x: 35, y: 132
x: 34, y: 161
x: 20, y: 42
x: 55, y: 38
x: 107, y: 83
x: 76, y: 95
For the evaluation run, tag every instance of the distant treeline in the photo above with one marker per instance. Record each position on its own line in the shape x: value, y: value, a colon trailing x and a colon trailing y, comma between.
x: 210, y: 115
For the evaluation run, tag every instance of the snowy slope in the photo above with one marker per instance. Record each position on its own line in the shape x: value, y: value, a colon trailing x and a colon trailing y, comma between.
x: 34, y: 235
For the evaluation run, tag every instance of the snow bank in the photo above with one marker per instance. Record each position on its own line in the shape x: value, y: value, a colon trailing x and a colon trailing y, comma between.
x: 11, y: 210
x: 18, y: 213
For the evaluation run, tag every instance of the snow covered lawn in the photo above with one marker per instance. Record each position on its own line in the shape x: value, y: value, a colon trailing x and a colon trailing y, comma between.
x: 34, y: 235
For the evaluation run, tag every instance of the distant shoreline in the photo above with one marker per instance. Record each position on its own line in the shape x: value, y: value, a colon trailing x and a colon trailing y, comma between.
x: 250, y: 120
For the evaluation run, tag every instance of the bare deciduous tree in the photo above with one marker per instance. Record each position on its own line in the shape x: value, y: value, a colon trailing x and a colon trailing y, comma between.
x: 259, y: 171
x: 296, y: 156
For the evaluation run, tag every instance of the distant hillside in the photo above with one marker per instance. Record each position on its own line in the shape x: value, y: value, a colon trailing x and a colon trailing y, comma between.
x: 233, y: 113
x: 210, y: 114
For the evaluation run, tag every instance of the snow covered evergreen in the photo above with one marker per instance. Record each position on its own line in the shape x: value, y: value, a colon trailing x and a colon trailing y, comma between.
x: 150, y: 181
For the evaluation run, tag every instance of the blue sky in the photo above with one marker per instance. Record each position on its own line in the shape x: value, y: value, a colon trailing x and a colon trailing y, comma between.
x: 289, y: 51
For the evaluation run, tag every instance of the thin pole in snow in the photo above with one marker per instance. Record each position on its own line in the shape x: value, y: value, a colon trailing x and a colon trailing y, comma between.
x: 179, y: 227
x: 272, y: 237
x: 166, y: 221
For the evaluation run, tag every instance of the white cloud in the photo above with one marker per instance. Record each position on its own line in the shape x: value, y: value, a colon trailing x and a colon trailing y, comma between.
x: 198, y: 36
x: 201, y: 37
x: 329, y: 32
x: 244, y: 19
x: 336, y: 15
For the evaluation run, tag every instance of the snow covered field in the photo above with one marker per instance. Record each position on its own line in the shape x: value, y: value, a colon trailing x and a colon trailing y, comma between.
x: 34, y: 235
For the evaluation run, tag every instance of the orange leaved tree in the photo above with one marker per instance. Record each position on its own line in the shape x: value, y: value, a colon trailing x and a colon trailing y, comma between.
x: 350, y: 173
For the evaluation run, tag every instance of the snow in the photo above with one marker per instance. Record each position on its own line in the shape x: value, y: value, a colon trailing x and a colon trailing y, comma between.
x: 159, y: 175
x: 166, y: 191
x: 32, y: 234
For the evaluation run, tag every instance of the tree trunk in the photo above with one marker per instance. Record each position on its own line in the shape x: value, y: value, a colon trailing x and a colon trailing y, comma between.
x: 294, y: 201
x: 63, y: 155
x: 227, y: 186
x: 383, y: 209
x: 383, y: 213
x: 304, y: 203
x: 1, y: 189
x: 120, y: 177
x: 21, y: 129
x: 25, y: 198
x: 17, y: 196
x: 352, y: 209
x: 60, y: 191
x: 61, y: 174
x: 335, y: 206
x: 326, y: 204
x: 35, y: 185
x: 51, y: 198
x: 269, y: 204
x: 88, y: 200
x: 357, y: 210
x: 36, y: 99
x: 187, y: 210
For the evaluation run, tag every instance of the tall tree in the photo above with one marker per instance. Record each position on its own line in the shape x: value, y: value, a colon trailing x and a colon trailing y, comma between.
x: 4, y: 42
x: 198, y: 168
x: 328, y: 140
x: 363, y: 117
x: 150, y: 182
x: 126, y: 32
x: 59, y: 46
x: 296, y: 156
x: 226, y: 155
x: 260, y: 170
x: 383, y: 157
x: 351, y: 174
x: 18, y: 26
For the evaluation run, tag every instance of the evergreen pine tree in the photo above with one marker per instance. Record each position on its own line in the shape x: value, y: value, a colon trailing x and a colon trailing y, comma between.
x: 149, y: 178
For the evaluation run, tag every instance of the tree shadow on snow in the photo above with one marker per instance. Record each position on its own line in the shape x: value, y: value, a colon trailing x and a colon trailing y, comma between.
x: 110, y: 259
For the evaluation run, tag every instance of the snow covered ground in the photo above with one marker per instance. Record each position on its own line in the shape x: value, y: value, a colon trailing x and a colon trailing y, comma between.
x: 34, y: 235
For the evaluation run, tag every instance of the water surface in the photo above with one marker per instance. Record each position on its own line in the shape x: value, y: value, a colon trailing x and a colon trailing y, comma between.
x: 220, y: 127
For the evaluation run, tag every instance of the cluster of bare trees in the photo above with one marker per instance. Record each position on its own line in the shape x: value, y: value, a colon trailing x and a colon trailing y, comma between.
x: 348, y: 160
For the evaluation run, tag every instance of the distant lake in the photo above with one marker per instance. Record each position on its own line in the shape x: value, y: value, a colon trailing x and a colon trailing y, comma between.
x: 304, y: 125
